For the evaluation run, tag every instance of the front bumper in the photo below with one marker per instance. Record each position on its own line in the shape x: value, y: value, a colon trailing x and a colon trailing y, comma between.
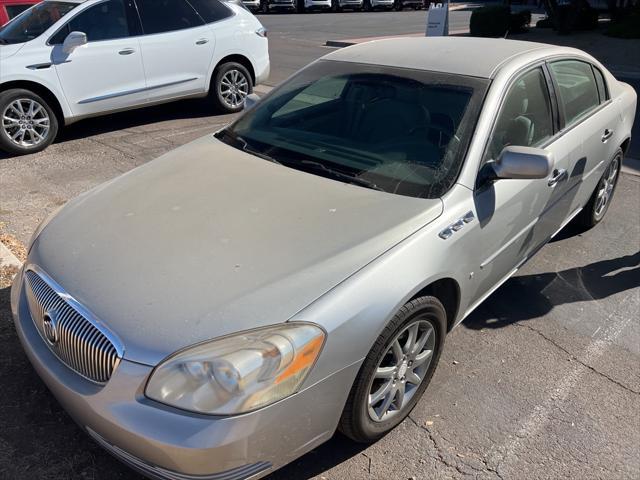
x: 166, y: 443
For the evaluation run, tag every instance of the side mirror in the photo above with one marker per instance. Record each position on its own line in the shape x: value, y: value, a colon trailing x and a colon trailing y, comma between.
x: 73, y: 41
x: 250, y: 101
x: 523, y: 163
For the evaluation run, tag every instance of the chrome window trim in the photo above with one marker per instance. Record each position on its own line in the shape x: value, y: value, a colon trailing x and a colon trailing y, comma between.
x: 81, y: 309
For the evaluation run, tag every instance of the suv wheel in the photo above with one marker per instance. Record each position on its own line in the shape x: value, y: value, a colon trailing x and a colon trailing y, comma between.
x: 231, y: 85
x: 29, y: 125
x: 396, y: 371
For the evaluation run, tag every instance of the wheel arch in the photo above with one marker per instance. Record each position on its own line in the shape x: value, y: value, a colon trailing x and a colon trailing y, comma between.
x: 447, y: 290
x: 625, y: 145
x: 40, y: 90
x: 238, y: 58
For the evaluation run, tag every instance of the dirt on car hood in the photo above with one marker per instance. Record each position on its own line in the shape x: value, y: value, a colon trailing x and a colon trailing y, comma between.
x: 208, y: 240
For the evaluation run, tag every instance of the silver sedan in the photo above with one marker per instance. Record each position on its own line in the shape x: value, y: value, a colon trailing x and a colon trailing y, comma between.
x: 222, y: 310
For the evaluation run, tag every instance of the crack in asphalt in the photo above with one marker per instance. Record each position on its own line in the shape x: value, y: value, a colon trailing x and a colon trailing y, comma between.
x: 369, y: 460
x: 439, y: 457
x: 574, y: 357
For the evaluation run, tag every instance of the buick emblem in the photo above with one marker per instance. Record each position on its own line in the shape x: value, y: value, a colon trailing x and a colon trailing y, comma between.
x: 50, y: 326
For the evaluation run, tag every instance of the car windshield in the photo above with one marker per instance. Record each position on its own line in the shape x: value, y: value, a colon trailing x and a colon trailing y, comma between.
x: 398, y: 130
x: 34, y: 22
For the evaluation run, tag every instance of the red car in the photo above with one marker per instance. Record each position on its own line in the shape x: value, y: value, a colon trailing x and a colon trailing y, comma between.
x: 11, y: 8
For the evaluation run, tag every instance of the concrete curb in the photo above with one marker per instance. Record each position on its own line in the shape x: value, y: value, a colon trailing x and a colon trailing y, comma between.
x: 7, y: 258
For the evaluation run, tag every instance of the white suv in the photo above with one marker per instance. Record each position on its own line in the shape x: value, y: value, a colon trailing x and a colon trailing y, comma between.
x: 64, y: 60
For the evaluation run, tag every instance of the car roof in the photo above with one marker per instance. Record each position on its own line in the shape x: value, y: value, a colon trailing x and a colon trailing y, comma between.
x: 477, y: 57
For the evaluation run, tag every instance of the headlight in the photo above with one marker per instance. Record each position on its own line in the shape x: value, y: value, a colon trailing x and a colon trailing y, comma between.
x: 238, y: 373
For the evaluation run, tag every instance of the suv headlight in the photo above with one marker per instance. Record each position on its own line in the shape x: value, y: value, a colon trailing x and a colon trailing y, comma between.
x: 240, y: 372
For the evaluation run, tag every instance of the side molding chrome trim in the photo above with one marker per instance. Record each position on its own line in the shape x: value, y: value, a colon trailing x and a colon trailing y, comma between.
x: 137, y: 90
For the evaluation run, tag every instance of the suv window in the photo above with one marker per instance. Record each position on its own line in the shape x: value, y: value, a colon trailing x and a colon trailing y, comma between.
x: 576, y: 88
x: 104, y: 21
x: 602, y: 85
x: 167, y: 15
x: 34, y: 22
x: 211, y: 10
x: 525, y: 117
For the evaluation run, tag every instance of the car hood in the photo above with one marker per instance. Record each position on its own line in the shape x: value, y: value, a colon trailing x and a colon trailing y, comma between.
x: 7, y: 51
x: 208, y: 240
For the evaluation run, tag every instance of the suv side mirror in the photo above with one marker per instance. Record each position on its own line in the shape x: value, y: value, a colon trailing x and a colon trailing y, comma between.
x: 73, y: 41
x: 523, y: 163
x: 250, y: 101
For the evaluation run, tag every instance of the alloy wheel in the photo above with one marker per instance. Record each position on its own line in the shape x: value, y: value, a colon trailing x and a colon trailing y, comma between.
x: 401, y: 370
x: 234, y: 87
x: 605, y: 188
x: 26, y: 122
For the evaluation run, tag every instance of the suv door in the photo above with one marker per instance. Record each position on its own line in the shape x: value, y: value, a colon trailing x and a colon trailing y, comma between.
x: 589, y: 118
x: 512, y: 213
x: 106, y: 73
x: 177, y: 48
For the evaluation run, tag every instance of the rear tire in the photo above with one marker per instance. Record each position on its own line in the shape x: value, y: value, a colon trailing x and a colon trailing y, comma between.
x: 29, y: 124
x: 367, y: 6
x: 231, y: 85
x: 598, y: 205
x: 395, y: 364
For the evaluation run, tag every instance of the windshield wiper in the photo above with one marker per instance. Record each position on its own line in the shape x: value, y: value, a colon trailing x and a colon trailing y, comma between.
x: 338, y: 175
x: 244, y: 146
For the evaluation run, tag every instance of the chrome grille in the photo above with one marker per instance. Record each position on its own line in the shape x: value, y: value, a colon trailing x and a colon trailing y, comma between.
x: 68, y: 330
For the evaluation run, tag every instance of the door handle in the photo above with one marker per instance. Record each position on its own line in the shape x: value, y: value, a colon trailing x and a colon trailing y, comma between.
x: 557, y: 176
x: 202, y: 41
x: 606, y: 135
x: 126, y: 51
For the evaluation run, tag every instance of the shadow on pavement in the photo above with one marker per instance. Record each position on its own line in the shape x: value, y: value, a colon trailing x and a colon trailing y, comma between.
x: 319, y: 460
x: 178, y: 110
x: 531, y: 296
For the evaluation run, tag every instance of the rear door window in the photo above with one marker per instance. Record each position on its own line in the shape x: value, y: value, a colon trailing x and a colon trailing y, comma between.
x: 211, y: 10
x: 577, y: 89
x: 159, y: 16
x: 602, y: 85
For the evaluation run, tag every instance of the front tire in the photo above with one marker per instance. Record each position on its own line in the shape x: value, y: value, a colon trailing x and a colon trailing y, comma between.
x: 597, y: 206
x: 396, y: 371
x: 367, y: 6
x: 29, y: 124
x: 231, y: 85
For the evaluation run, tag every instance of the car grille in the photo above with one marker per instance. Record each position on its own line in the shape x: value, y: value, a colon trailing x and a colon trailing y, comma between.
x: 68, y: 331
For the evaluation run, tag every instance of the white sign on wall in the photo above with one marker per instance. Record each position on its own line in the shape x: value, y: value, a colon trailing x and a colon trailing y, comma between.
x: 438, y: 20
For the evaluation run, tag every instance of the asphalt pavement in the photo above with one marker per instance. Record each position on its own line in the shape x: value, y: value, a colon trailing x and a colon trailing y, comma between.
x: 542, y: 381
